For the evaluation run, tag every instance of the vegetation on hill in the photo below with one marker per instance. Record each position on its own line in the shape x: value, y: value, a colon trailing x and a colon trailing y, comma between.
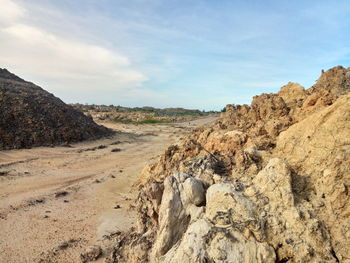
x: 140, y: 115
x: 146, y: 109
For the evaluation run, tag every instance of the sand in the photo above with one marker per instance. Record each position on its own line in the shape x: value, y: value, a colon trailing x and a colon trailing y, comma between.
x: 55, y: 202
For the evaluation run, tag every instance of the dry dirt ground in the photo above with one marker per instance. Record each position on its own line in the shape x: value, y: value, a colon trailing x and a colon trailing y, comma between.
x: 55, y: 202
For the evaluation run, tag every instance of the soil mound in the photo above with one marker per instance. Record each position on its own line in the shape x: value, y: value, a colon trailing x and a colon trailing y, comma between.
x: 30, y: 116
x: 268, y: 182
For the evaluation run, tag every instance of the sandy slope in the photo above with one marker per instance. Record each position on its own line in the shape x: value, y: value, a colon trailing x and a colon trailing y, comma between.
x: 54, y: 202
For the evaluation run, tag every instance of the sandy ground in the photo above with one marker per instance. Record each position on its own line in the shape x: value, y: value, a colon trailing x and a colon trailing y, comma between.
x: 55, y: 202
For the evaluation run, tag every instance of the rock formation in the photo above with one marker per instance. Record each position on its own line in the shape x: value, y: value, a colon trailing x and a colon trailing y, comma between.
x: 267, y: 182
x: 30, y: 116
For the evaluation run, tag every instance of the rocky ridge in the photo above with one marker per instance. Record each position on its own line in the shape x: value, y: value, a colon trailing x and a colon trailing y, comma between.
x: 30, y: 116
x: 267, y: 182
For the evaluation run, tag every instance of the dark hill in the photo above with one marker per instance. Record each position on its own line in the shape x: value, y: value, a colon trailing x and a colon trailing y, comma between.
x: 31, y: 116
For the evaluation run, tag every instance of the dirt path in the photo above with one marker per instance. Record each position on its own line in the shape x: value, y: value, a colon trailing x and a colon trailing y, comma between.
x: 54, y: 202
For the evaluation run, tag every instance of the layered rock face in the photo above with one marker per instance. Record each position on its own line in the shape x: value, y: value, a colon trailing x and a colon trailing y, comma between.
x: 267, y: 182
x: 30, y: 116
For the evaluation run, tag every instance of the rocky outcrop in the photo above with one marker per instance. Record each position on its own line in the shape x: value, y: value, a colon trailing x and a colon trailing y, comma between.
x: 318, y: 148
x: 266, y: 183
x: 30, y: 116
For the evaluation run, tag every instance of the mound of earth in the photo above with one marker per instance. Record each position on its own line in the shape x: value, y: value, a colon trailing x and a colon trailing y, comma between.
x: 267, y: 182
x: 30, y: 116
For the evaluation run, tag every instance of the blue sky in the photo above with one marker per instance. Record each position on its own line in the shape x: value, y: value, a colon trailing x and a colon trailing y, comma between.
x: 196, y: 54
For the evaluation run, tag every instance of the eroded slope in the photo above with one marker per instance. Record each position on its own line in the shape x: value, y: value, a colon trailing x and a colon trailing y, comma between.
x: 266, y: 183
x: 30, y: 116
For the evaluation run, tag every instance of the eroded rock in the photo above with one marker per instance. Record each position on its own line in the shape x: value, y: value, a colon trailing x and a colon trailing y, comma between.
x: 266, y: 183
x: 92, y: 253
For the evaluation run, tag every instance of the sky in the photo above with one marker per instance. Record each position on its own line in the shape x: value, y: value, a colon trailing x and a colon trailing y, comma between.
x: 199, y: 54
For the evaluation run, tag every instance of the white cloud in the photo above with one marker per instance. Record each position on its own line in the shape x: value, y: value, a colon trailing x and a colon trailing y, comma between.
x: 33, y: 51
x: 10, y: 12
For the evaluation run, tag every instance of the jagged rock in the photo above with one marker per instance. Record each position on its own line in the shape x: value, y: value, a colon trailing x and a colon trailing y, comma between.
x: 275, y: 182
x: 191, y: 248
x: 226, y: 205
x: 30, y: 116
x: 92, y: 253
x: 203, y: 242
x: 318, y: 148
x: 194, y: 191
x: 285, y: 219
x: 294, y: 96
x: 178, y: 207
x: 173, y: 219
x: 217, y: 236
x: 275, y: 176
x: 334, y: 82
x: 329, y: 87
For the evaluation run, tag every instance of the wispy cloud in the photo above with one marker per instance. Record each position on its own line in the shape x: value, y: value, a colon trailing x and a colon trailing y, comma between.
x: 32, y: 51
x: 10, y: 12
x: 200, y: 54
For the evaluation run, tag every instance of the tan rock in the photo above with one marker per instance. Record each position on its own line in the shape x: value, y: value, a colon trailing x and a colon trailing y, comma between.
x: 276, y: 176
x: 293, y: 94
x: 194, y: 191
x: 318, y: 149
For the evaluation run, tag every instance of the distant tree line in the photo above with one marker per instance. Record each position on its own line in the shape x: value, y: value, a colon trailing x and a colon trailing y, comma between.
x: 156, y: 111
